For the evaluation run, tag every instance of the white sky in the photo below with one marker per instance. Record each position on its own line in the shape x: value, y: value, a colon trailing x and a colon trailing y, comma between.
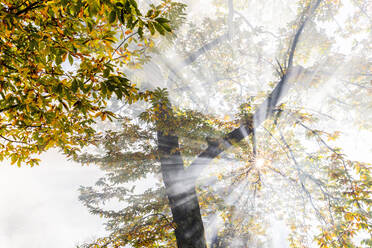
x: 40, y: 208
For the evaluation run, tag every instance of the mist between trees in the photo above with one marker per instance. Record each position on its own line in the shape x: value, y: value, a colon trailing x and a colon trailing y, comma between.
x: 230, y: 116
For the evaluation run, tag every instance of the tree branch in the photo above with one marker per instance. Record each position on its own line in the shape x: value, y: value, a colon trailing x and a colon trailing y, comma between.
x: 264, y: 111
x: 29, y: 8
x: 9, y: 107
x: 13, y: 141
x: 209, y: 46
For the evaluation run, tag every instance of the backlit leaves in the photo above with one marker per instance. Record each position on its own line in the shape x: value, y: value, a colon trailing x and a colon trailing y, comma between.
x: 59, y: 65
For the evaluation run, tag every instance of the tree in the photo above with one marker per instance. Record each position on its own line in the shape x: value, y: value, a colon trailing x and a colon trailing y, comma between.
x: 179, y: 139
x: 49, y: 102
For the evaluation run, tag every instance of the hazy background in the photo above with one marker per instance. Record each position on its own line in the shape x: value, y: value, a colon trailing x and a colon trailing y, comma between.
x: 40, y: 208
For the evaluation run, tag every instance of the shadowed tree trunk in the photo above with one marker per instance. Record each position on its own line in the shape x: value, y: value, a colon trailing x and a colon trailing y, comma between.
x: 181, y: 194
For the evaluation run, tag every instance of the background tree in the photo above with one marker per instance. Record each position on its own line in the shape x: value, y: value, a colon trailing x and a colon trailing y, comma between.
x: 59, y: 65
x: 289, y: 153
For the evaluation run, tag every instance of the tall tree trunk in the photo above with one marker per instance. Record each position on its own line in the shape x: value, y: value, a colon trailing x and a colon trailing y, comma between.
x: 181, y: 194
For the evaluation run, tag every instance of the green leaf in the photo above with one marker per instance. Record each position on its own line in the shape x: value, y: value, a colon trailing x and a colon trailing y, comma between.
x: 93, y: 10
x: 74, y: 85
x: 129, y: 22
x: 119, y: 94
x: 161, y: 20
x: 70, y: 59
x: 127, y: 7
x: 151, y: 28
x: 112, y: 16
x: 58, y: 88
x: 90, y: 26
x: 140, y: 32
x: 34, y: 44
x: 166, y: 27
x: 13, y: 159
x: 106, y: 72
x: 119, y: 4
x: 58, y: 59
x: 134, y: 24
x: 122, y: 17
x: 159, y: 28
x: 133, y: 3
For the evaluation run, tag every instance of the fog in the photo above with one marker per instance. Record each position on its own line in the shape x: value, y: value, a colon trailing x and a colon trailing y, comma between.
x: 260, y: 126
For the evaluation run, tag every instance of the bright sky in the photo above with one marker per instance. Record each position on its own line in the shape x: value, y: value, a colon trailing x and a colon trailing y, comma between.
x: 40, y: 208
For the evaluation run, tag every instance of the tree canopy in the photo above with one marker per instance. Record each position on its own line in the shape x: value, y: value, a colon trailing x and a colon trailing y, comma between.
x: 246, y: 107
x: 245, y: 133
x: 60, y: 63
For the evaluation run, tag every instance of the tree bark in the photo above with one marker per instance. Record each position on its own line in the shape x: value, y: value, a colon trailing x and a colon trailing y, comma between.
x: 181, y: 194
